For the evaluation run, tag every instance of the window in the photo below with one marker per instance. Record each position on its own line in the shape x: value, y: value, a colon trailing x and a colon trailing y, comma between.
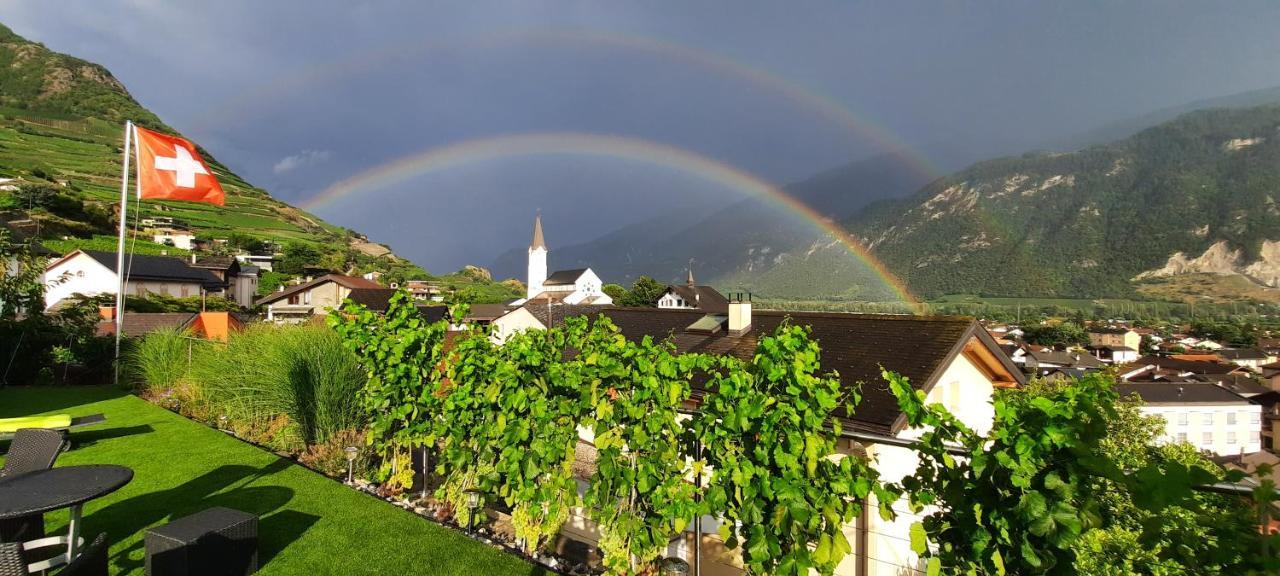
x: 1182, y: 437
x: 1231, y: 418
x: 1255, y: 417
x: 1182, y: 418
x: 1208, y: 418
x: 1231, y: 437
x: 1207, y: 438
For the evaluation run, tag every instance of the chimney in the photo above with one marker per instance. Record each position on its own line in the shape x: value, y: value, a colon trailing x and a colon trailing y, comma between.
x: 739, y: 313
x: 107, y: 312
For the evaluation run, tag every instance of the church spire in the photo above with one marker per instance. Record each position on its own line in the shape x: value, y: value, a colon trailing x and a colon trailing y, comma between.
x: 690, y: 281
x: 538, y: 242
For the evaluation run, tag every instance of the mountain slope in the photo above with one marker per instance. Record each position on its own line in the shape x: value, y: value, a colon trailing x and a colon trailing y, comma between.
x: 61, y: 126
x: 1088, y: 223
x: 740, y: 246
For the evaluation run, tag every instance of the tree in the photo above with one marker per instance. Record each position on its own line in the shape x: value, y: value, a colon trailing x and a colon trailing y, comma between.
x: 644, y: 293
x: 1061, y: 335
x: 297, y: 258
x: 618, y: 293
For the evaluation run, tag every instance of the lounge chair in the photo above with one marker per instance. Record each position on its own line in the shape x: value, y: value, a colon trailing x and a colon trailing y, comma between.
x: 60, y: 422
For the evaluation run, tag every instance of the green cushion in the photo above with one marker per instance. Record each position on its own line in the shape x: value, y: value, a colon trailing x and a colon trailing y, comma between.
x: 10, y: 425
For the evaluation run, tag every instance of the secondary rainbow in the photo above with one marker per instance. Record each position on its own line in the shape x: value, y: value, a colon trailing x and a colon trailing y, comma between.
x: 579, y: 144
x: 804, y: 98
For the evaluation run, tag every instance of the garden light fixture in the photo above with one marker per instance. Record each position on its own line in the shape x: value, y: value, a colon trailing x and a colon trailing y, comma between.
x: 350, y: 452
x: 473, y: 503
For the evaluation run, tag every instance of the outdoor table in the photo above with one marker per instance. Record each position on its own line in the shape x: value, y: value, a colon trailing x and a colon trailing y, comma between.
x: 67, y: 487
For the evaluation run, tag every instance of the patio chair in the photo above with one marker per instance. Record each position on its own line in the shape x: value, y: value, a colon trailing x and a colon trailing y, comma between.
x: 91, y: 562
x: 60, y: 422
x: 32, y: 449
x: 11, y: 562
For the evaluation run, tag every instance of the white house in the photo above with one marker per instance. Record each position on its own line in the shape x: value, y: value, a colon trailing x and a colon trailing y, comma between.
x: 953, y: 360
x: 262, y: 261
x: 691, y: 296
x: 174, y: 237
x: 1202, y: 414
x: 577, y: 286
x: 93, y: 273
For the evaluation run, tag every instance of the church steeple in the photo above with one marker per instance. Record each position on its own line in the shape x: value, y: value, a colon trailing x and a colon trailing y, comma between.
x: 538, y: 241
x: 537, y: 260
x: 690, y: 281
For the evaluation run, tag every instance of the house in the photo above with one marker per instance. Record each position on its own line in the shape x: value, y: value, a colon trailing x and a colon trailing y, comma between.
x: 577, y: 286
x: 177, y: 238
x: 1115, y: 336
x: 690, y: 296
x: 1271, y: 375
x: 1113, y: 354
x: 262, y: 261
x: 317, y: 297
x: 1038, y: 359
x: 240, y: 282
x: 1251, y: 358
x: 1202, y: 414
x: 424, y: 290
x: 93, y: 273
x: 1150, y: 368
x: 954, y: 361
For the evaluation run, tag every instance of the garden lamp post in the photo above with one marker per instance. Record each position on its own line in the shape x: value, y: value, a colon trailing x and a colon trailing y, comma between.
x: 222, y: 422
x: 473, y: 503
x: 350, y: 452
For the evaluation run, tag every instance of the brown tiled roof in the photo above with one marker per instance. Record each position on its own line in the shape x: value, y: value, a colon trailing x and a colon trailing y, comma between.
x: 554, y: 315
x: 704, y: 298
x: 140, y: 323
x: 1241, y: 354
x: 853, y: 345
x: 486, y: 312
x: 215, y: 262
x: 351, y: 282
x: 1180, y: 365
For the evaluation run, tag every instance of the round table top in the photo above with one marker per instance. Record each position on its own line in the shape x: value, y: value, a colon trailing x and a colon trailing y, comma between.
x: 45, y: 490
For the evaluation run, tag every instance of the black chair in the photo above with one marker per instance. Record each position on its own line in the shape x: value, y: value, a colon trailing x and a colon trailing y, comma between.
x: 32, y: 449
x: 92, y: 561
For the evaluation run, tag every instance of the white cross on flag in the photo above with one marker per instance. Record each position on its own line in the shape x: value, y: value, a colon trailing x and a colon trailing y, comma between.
x: 169, y: 168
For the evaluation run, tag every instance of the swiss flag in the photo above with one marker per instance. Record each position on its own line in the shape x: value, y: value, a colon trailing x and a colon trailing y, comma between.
x: 170, y: 169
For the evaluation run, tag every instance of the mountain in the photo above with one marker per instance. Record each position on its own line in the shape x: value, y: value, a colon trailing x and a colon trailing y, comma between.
x: 1193, y: 196
x: 738, y: 246
x: 61, y: 126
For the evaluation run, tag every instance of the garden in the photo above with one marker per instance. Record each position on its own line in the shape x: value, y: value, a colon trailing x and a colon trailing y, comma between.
x: 1068, y: 480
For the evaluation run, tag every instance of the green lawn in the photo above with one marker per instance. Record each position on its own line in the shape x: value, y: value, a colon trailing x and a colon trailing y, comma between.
x: 309, y: 525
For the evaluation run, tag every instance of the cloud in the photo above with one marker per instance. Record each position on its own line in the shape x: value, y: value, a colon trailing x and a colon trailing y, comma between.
x: 301, y: 159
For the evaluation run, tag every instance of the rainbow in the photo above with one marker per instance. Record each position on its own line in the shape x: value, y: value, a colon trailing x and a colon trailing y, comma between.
x: 578, y: 144
x: 804, y: 98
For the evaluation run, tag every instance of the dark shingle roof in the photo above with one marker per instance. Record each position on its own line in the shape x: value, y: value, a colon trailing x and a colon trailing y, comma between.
x: 1180, y: 393
x: 486, y: 312
x: 562, y: 277
x: 376, y: 299
x: 159, y: 268
x: 704, y: 298
x: 1241, y: 354
x: 1065, y: 359
x: 853, y: 345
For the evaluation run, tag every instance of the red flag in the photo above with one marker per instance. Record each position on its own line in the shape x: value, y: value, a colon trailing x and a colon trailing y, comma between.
x: 169, y: 168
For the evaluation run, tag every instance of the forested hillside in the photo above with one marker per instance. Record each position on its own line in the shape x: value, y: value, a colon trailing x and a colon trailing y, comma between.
x: 1089, y: 223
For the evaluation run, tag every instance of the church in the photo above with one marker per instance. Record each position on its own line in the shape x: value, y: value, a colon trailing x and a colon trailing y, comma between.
x: 579, y: 286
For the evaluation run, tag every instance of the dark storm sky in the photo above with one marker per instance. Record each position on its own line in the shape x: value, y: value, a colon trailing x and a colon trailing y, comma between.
x: 298, y: 95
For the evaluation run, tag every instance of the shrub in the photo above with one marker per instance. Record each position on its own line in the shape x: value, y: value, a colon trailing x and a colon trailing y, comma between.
x: 159, y: 360
x: 301, y: 372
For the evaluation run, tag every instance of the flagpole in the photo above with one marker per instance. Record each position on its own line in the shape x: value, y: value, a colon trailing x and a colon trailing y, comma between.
x: 120, y: 274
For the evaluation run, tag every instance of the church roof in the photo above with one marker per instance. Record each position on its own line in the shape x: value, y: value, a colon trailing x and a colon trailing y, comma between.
x: 562, y: 277
x: 538, y: 241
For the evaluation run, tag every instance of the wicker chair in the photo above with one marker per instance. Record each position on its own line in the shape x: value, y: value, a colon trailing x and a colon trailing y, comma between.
x: 32, y: 449
x: 11, y: 561
x: 92, y: 561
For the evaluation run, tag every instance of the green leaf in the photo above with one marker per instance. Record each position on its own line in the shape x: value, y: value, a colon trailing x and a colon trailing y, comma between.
x: 919, y: 540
